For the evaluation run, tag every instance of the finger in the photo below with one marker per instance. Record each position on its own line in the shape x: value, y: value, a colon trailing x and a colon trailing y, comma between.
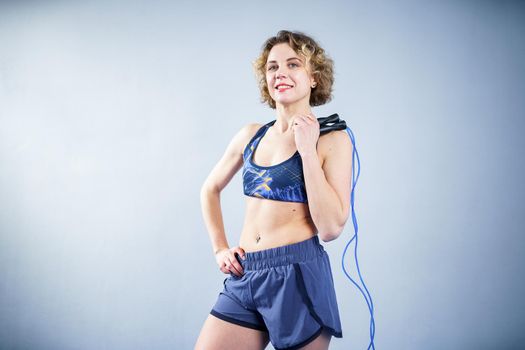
x: 308, y: 119
x: 238, y: 268
x: 299, y: 120
x: 235, y: 267
x: 237, y: 262
x: 240, y: 252
x: 311, y: 118
x: 226, y: 266
x: 234, y: 271
x: 228, y: 269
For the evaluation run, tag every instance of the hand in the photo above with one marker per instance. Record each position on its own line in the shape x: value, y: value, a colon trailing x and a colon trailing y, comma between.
x: 306, y: 133
x: 228, y: 262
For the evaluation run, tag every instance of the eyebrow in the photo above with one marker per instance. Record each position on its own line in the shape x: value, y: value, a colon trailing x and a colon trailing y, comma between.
x: 289, y: 59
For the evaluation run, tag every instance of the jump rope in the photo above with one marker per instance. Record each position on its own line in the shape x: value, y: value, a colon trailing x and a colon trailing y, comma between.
x: 327, y: 124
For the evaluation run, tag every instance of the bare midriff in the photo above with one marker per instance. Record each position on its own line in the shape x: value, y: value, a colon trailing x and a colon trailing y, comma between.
x: 271, y: 223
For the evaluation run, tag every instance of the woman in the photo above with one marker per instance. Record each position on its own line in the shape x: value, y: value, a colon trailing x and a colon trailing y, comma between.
x: 280, y: 287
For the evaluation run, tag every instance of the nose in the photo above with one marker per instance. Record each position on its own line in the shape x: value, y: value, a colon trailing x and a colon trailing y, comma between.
x: 279, y: 77
x: 280, y: 72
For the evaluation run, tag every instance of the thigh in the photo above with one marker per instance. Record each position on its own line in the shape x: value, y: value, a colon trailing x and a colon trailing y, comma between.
x: 217, y: 334
x: 319, y: 343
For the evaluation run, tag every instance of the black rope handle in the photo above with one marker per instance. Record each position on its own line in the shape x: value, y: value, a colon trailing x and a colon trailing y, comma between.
x: 326, y: 124
x: 332, y: 122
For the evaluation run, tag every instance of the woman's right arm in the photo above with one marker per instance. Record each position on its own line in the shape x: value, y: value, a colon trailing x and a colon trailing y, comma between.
x: 218, y: 178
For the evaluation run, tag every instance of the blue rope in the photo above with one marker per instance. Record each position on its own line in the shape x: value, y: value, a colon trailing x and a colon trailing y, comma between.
x: 354, y: 220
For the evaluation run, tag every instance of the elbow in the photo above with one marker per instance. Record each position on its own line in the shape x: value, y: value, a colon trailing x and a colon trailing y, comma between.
x: 204, y: 189
x: 332, y: 234
x: 206, y: 193
x: 208, y: 188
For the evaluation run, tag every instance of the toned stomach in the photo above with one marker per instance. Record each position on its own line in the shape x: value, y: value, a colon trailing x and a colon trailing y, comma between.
x: 270, y: 223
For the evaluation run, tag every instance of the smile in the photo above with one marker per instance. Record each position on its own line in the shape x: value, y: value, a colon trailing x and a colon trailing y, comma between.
x: 283, y: 87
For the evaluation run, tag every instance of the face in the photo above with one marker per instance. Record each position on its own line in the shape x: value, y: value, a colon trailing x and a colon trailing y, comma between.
x: 288, y: 78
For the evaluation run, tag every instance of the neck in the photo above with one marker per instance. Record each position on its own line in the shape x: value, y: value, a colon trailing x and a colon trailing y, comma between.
x: 285, y: 113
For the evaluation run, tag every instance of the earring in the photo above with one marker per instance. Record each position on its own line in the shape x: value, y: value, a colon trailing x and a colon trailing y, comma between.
x: 314, y: 85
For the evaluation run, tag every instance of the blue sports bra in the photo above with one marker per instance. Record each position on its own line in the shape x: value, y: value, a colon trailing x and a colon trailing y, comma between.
x: 281, y: 182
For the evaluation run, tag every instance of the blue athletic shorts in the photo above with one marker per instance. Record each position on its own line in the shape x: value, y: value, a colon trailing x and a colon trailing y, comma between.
x: 287, y: 291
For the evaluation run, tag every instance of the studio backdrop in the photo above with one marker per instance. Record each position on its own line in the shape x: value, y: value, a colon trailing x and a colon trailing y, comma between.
x: 112, y: 114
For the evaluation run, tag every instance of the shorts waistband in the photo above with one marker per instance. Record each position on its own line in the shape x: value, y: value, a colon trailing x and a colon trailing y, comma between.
x: 284, y: 255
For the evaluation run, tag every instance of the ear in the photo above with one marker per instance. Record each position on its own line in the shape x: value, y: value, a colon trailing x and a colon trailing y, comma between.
x: 313, y: 82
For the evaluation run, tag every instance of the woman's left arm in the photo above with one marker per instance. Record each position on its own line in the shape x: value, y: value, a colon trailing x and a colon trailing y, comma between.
x: 328, y: 187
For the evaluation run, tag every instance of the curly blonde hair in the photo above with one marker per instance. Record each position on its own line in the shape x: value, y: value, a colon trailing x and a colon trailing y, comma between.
x: 322, y: 66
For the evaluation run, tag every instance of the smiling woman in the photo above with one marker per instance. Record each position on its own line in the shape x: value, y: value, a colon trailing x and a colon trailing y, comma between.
x: 306, y: 52
x: 296, y: 184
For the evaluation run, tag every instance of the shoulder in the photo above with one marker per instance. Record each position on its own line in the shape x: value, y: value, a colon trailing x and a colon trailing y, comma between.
x: 250, y: 129
x: 334, y: 143
x: 245, y: 134
x: 335, y: 137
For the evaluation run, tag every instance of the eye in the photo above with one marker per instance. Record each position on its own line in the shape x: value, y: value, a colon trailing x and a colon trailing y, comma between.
x: 271, y: 67
x: 294, y: 64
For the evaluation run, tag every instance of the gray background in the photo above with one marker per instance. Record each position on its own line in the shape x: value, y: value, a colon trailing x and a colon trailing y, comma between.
x: 112, y: 115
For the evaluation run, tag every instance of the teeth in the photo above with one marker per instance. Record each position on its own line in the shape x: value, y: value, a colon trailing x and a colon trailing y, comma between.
x: 281, y: 86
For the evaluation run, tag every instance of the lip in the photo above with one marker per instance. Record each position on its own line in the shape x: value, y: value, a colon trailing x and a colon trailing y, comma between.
x: 283, y: 89
x: 283, y: 85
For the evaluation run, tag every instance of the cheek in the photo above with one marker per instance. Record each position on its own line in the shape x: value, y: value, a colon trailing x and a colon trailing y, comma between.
x: 269, y: 84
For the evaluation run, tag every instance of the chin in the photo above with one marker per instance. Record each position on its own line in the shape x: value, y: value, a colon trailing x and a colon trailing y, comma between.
x: 286, y: 101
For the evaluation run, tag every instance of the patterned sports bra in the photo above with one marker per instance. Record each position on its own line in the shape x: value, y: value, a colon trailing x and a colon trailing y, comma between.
x: 281, y: 182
